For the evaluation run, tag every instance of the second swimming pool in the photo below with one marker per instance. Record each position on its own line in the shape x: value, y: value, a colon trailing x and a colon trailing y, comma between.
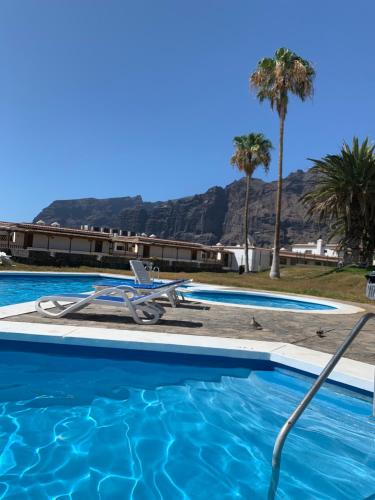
x: 272, y: 301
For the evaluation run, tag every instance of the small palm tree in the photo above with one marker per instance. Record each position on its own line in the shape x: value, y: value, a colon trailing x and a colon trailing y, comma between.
x: 251, y: 151
x: 344, y: 196
x: 274, y: 79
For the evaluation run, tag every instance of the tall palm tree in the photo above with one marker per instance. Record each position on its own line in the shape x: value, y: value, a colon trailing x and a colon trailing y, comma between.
x: 274, y: 79
x: 251, y: 151
x: 344, y: 196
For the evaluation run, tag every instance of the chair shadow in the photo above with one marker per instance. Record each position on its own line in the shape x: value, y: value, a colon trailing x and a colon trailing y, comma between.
x: 181, y: 323
x: 128, y: 320
x: 195, y: 306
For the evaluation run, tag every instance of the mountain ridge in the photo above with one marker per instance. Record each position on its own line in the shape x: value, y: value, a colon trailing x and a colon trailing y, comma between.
x: 209, y: 217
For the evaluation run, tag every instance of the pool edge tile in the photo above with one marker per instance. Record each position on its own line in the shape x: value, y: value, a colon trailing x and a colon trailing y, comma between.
x: 350, y: 372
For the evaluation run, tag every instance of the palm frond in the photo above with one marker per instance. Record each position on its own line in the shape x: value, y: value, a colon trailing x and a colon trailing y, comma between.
x: 286, y: 73
x: 344, y: 193
x: 251, y: 151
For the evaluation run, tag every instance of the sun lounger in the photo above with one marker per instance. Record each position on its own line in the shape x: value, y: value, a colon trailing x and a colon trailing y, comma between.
x: 142, y: 277
x: 140, y: 306
x: 168, y: 289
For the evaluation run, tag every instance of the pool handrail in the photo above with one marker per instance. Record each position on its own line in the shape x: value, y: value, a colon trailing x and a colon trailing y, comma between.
x: 287, y: 427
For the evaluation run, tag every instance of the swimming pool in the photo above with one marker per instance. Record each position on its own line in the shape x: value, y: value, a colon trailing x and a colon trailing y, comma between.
x: 118, y: 424
x: 16, y: 288
x: 258, y: 300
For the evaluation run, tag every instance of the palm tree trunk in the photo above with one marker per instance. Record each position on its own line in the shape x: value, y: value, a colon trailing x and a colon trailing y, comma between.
x: 246, y: 224
x: 275, y: 268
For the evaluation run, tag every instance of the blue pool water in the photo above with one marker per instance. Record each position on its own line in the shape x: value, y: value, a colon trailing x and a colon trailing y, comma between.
x: 18, y: 288
x: 257, y: 300
x: 89, y: 424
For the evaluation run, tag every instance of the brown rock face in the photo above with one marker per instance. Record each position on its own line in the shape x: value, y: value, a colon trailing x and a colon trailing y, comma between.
x: 216, y: 215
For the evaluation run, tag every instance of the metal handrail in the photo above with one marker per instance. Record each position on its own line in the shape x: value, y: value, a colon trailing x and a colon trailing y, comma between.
x: 287, y: 427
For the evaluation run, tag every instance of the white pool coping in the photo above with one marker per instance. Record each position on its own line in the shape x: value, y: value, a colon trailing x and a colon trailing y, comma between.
x: 349, y: 372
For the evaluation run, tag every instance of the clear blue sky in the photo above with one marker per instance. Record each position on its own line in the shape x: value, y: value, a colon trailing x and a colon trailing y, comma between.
x: 105, y: 98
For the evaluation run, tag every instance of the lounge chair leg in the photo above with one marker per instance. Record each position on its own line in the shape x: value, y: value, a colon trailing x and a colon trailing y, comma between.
x: 173, y: 299
x: 151, y: 314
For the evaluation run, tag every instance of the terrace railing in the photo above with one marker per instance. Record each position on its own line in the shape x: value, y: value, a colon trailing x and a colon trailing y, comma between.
x: 287, y: 427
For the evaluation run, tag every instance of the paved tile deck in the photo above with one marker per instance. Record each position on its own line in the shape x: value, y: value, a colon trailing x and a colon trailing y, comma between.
x: 194, y: 318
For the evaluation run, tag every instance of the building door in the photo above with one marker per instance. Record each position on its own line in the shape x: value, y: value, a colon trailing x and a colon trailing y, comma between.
x: 28, y: 240
x: 193, y: 255
x: 146, y: 251
x: 98, y: 246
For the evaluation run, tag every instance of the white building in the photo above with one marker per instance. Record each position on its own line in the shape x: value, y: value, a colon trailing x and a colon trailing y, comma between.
x: 259, y: 258
x: 318, y: 248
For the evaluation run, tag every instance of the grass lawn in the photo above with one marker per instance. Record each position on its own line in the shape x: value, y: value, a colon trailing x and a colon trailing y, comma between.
x: 342, y: 284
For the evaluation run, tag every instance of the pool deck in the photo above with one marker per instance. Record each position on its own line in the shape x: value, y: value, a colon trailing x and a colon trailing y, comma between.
x: 194, y: 318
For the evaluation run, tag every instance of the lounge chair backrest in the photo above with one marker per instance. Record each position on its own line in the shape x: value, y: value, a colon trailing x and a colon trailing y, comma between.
x: 140, y: 272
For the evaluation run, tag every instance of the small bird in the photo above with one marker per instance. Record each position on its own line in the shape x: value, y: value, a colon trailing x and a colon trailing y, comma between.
x: 322, y: 333
x: 255, y: 325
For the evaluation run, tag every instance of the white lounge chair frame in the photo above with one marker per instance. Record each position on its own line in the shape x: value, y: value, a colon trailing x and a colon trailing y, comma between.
x: 142, y: 277
x: 141, y: 307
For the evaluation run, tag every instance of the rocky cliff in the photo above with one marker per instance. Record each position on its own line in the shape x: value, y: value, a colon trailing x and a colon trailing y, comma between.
x: 210, y: 217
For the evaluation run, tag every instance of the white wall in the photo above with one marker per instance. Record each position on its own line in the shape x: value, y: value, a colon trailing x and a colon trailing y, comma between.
x: 156, y: 251
x: 309, y: 249
x: 169, y: 253
x: 184, y: 254
x: 318, y: 248
x: 239, y: 257
x: 81, y: 245
x: 40, y: 241
x: 259, y: 258
x: 59, y: 243
x: 330, y: 252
